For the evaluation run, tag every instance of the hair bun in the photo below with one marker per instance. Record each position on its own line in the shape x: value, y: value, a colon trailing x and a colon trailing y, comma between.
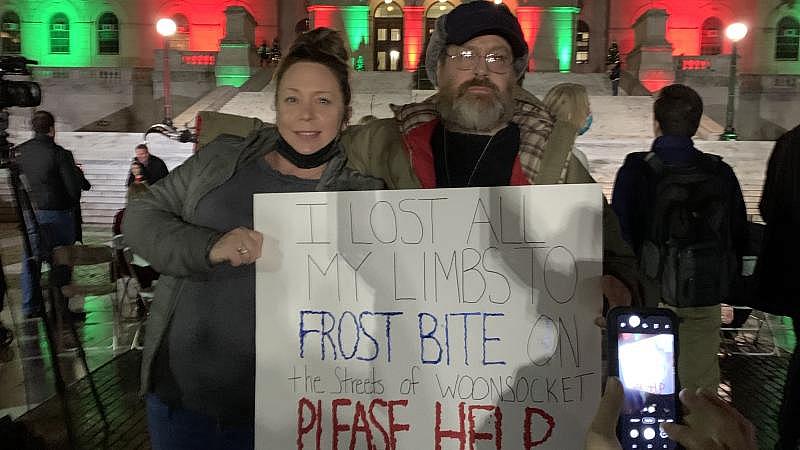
x: 323, y: 40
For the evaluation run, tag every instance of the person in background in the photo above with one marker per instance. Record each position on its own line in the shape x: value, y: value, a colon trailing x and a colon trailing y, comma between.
x: 152, y: 167
x: 275, y: 52
x: 55, y: 188
x: 263, y: 54
x: 195, y: 227
x: 778, y: 267
x: 85, y: 186
x: 639, y: 198
x: 569, y: 103
x: 366, y: 119
x: 614, y: 65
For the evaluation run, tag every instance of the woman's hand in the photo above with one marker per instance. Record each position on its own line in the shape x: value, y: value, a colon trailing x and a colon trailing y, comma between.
x: 237, y: 247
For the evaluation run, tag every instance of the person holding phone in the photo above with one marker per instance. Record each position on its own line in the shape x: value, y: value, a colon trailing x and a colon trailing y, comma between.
x: 710, y: 422
x: 644, y: 407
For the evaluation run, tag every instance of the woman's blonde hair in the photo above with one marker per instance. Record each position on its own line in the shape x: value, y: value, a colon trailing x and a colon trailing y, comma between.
x: 568, y: 102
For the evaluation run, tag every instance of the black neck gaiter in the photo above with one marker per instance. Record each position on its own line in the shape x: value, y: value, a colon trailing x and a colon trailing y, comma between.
x: 311, y: 161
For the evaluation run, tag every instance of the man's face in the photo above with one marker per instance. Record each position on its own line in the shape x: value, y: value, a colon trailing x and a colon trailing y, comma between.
x: 142, y: 155
x: 475, y: 97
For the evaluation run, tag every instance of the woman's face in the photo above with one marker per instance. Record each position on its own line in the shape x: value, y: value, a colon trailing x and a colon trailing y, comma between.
x: 310, y: 107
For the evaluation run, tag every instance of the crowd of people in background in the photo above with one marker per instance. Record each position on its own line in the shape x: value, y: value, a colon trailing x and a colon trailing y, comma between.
x: 195, y: 225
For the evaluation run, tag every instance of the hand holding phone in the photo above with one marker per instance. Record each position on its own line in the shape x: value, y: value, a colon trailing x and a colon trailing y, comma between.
x: 643, y: 354
x: 710, y: 424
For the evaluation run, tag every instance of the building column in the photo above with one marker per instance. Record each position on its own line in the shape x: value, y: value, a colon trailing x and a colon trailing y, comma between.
x: 413, y: 36
x: 530, y: 19
x: 550, y: 34
x: 356, y: 30
x: 564, y: 20
x: 651, y: 60
x: 322, y: 16
x: 237, y: 53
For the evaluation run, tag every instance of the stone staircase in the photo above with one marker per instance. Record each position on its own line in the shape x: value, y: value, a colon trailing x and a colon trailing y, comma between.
x: 105, y: 158
x: 621, y: 125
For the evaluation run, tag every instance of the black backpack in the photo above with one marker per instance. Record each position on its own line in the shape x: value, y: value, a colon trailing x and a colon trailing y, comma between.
x: 687, y: 246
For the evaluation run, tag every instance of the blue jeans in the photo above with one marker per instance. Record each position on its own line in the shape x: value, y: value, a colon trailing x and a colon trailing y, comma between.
x: 179, y: 429
x: 57, y: 228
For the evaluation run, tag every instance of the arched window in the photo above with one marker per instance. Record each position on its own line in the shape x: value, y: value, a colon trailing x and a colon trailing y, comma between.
x: 435, y: 11
x: 711, y: 37
x: 582, y: 43
x: 787, y: 40
x: 108, y: 34
x: 180, y: 40
x: 59, y: 34
x: 388, y: 26
x: 9, y: 33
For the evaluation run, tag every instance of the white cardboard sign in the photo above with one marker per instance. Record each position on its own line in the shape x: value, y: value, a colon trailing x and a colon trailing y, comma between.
x: 428, y: 319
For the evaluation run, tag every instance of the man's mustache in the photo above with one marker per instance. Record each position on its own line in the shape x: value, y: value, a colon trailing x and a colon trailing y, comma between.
x: 478, y: 82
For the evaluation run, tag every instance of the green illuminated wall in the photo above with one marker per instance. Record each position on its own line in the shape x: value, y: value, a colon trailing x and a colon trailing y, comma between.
x: 227, y: 72
x: 35, y: 34
x: 563, y: 20
x: 356, y: 24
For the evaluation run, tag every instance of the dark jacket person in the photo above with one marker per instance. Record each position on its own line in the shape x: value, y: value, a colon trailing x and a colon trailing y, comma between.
x: 54, y: 182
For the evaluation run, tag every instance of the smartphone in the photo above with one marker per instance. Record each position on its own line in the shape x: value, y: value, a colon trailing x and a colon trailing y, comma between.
x: 643, y: 353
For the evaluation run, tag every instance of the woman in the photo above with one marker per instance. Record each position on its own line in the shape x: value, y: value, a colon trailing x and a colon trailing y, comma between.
x: 569, y: 103
x: 195, y: 228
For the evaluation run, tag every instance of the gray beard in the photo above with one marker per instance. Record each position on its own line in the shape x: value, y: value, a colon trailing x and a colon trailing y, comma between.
x: 475, y: 113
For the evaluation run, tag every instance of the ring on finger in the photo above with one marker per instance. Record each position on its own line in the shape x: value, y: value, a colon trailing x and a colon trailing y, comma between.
x: 242, y: 251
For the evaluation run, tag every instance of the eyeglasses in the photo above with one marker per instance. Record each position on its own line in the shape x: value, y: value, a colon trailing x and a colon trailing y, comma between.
x: 465, y: 59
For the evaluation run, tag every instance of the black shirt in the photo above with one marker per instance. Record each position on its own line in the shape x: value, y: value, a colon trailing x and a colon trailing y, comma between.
x: 469, y: 160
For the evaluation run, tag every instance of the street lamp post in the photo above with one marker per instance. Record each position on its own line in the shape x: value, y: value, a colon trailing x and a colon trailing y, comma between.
x: 166, y: 28
x: 735, y: 32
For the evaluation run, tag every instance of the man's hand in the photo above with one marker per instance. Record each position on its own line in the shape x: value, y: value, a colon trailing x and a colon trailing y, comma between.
x: 602, y: 434
x: 617, y: 294
x: 238, y: 247
x: 711, y: 424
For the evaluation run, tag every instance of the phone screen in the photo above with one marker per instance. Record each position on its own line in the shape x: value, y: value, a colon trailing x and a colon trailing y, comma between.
x: 646, y: 368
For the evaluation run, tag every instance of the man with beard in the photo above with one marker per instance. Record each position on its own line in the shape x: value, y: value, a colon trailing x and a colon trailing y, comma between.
x: 482, y: 129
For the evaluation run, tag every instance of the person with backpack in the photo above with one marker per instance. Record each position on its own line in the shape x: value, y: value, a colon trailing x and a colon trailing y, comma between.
x: 683, y: 213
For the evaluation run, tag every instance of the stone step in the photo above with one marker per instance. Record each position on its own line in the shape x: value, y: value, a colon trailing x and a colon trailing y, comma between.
x: 105, y: 159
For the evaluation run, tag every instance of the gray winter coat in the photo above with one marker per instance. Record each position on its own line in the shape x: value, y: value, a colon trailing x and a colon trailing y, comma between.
x: 159, y: 224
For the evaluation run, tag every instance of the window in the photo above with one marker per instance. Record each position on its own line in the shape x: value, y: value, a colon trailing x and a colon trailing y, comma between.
x: 388, y: 33
x: 435, y: 11
x: 9, y: 33
x: 582, y: 43
x: 711, y: 37
x: 180, y: 40
x: 391, y: 9
x: 787, y: 40
x: 59, y: 34
x: 108, y: 34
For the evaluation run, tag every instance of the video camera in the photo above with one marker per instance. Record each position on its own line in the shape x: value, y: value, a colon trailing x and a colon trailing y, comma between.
x: 14, y: 93
x: 18, y: 93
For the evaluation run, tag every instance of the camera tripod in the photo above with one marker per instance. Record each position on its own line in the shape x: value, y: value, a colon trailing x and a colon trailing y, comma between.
x: 28, y: 224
